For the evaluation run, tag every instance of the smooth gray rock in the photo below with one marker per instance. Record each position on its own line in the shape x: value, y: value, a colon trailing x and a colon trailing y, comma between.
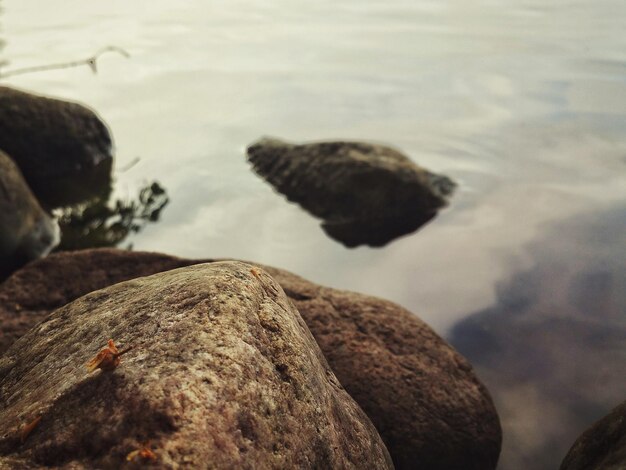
x: 27, y: 232
x: 365, y: 193
x: 602, y: 446
x: 63, y: 149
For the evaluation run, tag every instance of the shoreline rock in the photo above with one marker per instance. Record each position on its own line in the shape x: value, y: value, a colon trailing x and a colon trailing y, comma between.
x: 27, y: 232
x: 63, y: 149
x: 224, y: 374
x: 602, y: 446
x: 422, y: 396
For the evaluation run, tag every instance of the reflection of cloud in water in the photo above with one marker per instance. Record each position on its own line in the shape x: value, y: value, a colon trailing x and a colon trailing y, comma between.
x: 551, y: 349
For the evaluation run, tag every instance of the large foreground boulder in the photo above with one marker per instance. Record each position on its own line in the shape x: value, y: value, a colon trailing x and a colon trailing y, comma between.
x: 365, y: 193
x: 223, y: 374
x: 423, y: 397
x: 602, y: 446
x: 62, y: 148
x: 26, y: 230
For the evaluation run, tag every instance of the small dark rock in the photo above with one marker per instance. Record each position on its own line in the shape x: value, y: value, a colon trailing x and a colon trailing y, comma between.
x: 26, y: 230
x: 602, y: 446
x: 62, y: 148
x: 365, y: 193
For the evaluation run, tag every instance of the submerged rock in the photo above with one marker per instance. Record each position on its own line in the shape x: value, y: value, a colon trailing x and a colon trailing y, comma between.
x: 62, y: 148
x: 602, y: 446
x: 422, y: 396
x: 366, y: 194
x: 223, y: 374
x: 26, y: 230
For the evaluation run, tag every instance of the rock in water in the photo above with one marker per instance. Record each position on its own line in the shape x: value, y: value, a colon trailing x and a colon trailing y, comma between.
x: 224, y: 374
x: 602, y: 446
x: 26, y: 230
x: 365, y: 193
x: 423, y: 397
x: 62, y: 148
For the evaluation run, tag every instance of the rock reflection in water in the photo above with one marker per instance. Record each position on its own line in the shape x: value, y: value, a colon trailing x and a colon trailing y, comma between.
x: 101, y: 222
x: 553, y: 349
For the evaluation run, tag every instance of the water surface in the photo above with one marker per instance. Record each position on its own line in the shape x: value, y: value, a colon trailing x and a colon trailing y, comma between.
x: 522, y: 102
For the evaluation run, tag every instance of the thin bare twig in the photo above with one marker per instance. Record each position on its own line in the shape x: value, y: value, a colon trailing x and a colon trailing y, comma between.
x: 130, y: 165
x: 90, y: 61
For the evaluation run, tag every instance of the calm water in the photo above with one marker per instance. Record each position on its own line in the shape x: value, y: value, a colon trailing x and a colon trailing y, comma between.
x: 523, y: 102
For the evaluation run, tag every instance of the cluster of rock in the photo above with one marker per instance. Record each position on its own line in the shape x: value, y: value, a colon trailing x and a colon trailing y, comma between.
x: 52, y: 153
x: 227, y: 364
x: 262, y: 367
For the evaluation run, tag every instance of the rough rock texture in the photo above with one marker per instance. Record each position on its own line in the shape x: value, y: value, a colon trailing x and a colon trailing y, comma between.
x: 602, y: 446
x: 224, y: 374
x: 365, y: 193
x: 422, y: 396
x: 33, y: 292
x: 26, y: 230
x: 62, y: 148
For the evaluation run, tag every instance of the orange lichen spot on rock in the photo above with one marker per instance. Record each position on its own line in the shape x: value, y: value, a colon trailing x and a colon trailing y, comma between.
x: 256, y: 272
x: 144, y: 453
x: 108, y: 358
x: 27, y: 429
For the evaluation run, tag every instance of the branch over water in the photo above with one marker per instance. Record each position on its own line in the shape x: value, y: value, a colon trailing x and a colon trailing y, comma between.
x: 91, y: 61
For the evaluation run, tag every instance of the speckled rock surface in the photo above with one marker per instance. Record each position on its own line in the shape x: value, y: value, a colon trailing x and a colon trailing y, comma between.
x: 423, y: 397
x: 365, y: 193
x: 26, y: 230
x: 33, y: 292
x: 602, y: 446
x: 62, y: 148
x: 224, y: 374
